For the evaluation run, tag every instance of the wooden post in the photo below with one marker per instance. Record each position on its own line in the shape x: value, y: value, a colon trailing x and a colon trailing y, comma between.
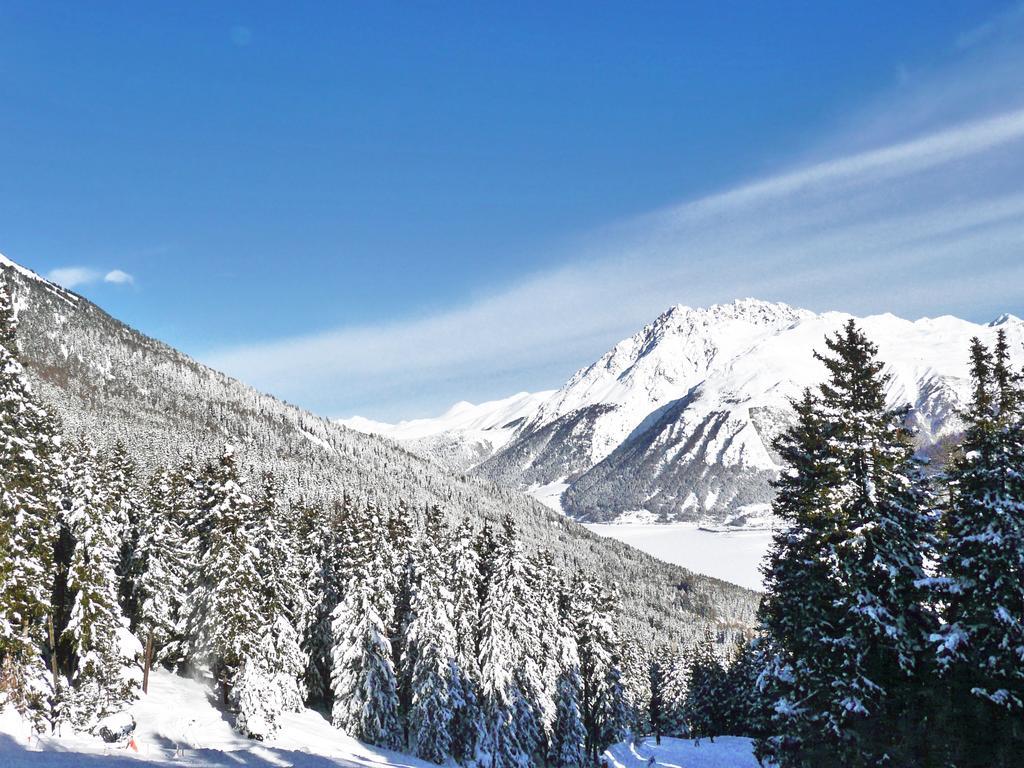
x: 147, y: 661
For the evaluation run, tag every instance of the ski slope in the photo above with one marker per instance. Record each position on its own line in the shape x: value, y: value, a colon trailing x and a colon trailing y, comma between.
x: 725, y: 752
x: 179, y: 713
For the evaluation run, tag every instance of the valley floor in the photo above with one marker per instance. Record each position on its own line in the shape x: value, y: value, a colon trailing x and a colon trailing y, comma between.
x: 733, y: 556
x: 178, y: 714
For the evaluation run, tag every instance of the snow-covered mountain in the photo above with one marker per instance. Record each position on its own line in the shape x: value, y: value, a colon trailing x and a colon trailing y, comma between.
x: 465, y: 434
x: 676, y: 422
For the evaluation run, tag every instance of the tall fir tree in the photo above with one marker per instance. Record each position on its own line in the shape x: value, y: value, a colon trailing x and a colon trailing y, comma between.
x: 100, y: 679
x: 363, y: 680
x: 224, y: 609
x: 603, y: 701
x: 846, y: 609
x: 504, y: 742
x: 118, y: 478
x: 29, y: 461
x: 162, y: 564
x: 431, y: 644
x: 705, y: 701
x: 463, y: 577
x: 981, y: 561
x: 567, y: 744
x: 324, y: 529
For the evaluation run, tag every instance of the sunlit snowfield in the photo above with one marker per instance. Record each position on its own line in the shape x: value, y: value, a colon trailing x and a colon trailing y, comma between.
x: 733, y: 556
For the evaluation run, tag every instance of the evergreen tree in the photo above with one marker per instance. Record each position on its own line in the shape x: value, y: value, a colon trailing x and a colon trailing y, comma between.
x: 94, y: 632
x: 324, y: 530
x: 118, y: 478
x: 743, y: 711
x: 503, y: 623
x: 363, y: 680
x: 162, y: 566
x: 431, y: 642
x: 402, y: 572
x: 603, y: 701
x: 224, y: 610
x: 568, y: 736
x: 704, y: 705
x: 29, y: 462
x: 845, y: 609
x: 464, y: 574
x: 982, y: 562
x: 657, y: 704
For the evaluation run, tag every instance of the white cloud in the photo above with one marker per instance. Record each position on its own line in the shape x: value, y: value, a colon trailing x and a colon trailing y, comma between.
x: 72, y: 277
x: 118, y: 277
x: 75, y: 277
x: 928, y: 223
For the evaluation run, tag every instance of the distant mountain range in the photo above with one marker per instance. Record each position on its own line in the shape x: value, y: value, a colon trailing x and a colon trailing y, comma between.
x: 676, y: 422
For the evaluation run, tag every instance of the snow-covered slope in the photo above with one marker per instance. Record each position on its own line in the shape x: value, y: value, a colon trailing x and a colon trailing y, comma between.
x: 178, y: 724
x: 463, y: 436
x: 676, y: 422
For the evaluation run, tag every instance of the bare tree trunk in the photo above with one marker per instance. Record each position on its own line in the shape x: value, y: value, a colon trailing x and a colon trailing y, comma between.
x: 53, y: 655
x: 146, y: 663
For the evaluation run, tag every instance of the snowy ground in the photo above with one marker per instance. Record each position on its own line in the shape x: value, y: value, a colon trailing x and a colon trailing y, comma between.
x: 734, y: 556
x: 178, y: 712
x: 725, y: 752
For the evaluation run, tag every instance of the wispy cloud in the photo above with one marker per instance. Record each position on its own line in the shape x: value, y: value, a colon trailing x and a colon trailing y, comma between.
x: 926, y: 223
x: 118, y: 277
x: 75, y: 277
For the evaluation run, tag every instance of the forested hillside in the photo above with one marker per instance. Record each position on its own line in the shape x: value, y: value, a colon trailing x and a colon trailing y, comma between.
x: 111, y: 382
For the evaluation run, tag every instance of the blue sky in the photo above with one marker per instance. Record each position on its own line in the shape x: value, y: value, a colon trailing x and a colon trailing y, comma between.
x: 381, y: 208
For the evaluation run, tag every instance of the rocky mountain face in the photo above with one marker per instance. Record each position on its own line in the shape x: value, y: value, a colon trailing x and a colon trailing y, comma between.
x: 106, y: 379
x: 676, y: 422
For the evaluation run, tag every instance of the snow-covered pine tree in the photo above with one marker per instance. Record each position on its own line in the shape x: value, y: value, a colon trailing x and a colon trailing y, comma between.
x: 704, y: 706
x: 162, y: 565
x: 118, y: 478
x: 674, y: 664
x: 981, y: 560
x: 503, y: 624
x: 324, y: 529
x: 603, y: 701
x: 636, y: 682
x: 101, y: 682
x: 29, y: 464
x: 463, y: 576
x: 541, y: 665
x: 430, y: 642
x: 845, y: 609
x: 744, y: 711
x: 224, y: 614
x: 568, y: 736
x: 363, y: 681
x: 486, y: 548
x: 402, y: 572
x: 657, y: 672
x: 271, y: 666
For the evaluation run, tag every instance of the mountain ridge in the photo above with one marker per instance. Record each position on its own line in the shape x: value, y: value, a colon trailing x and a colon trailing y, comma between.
x: 676, y: 422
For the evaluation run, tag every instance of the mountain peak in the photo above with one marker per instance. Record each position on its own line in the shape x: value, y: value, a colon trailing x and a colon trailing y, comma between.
x: 1005, y: 319
x: 749, y: 310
